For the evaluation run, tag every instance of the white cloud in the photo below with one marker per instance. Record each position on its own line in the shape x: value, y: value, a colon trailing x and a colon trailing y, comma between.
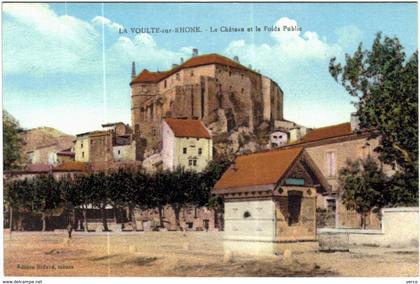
x: 144, y: 50
x: 99, y: 20
x: 298, y: 62
x: 36, y: 38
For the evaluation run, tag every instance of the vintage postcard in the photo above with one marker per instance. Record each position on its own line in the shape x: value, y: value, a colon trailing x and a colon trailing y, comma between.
x: 210, y: 139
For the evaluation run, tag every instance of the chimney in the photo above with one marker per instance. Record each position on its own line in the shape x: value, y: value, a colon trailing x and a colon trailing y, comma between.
x: 133, y: 70
x: 174, y: 65
x: 250, y: 66
x: 194, y: 52
x: 354, y: 122
x: 236, y: 58
x: 182, y: 60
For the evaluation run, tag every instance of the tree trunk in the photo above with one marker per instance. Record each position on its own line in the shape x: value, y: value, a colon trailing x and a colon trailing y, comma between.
x: 363, y: 216
x: 177, y: 211
x: 104, y: 221
x: 132, y: 217
x: 85, y: 224
x: 114, y: 210
x: 44, y: 221
x: 11, y: 219
x: 160, y: 209
x: 73, y: 220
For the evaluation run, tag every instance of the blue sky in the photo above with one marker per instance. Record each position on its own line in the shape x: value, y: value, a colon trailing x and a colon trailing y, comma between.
x: 68, y: 67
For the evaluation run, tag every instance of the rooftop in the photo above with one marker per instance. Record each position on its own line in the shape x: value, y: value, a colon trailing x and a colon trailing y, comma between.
x: 72, y: 167
x: 153, y: 77
x: 258, y: 169
x: 328, y: 132
x: 192, y: 128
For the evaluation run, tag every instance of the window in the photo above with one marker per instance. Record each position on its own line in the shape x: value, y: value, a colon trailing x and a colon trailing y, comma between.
x: 190, y: 162
x: 331, y: 206
x: 247, y: 214
x: 242, y: 76
x: 331, y: 164
x: 194, y: 162
x: 230, y: 73
x: 81, y: 145
x: 184, y: 150
x: 200, y: 151
x: 280, y: 136
x: 294, y: 201
x: 164, y: 84
x: 190, y: 225
x: 242, y: 90
x: 192, y: 73
x: 275, y: 137
x: 119, y: 152
x: 177, y: 76
x: 83, y: 154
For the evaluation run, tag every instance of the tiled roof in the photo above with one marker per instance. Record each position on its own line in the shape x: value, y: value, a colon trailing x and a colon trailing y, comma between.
x: 72, y: 167
x: 327, y: 132
x: 188, y: 128
x: 258, y: 169
x: 152, y: 77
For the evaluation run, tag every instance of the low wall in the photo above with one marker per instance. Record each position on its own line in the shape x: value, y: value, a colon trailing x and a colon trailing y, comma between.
x: 400, y: 228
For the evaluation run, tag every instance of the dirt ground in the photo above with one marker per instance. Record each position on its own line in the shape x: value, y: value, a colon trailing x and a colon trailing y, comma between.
x: 195, y: 254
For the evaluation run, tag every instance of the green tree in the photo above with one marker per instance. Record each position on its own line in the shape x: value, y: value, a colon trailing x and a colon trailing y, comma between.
x: 362, y: 185
x: 212, y: 173
x: 384, y: 83
x: 46, y: 197
x: 12, y: 142
x: 78, y: 192
x: 18, y: 197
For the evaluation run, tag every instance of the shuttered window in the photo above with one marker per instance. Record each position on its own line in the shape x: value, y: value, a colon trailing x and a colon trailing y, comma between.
x: 331, y: 164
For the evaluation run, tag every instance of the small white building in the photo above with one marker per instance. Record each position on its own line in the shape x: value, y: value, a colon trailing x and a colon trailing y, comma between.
x: 278, y: 138
x: 186, y: 143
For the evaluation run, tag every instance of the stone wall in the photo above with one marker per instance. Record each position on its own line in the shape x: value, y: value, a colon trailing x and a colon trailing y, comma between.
x: 400, y: 228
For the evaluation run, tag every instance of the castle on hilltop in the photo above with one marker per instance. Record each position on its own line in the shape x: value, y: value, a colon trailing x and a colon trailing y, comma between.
x: 220, y: 91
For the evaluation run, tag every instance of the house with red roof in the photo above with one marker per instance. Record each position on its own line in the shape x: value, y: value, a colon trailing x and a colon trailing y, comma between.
x: 186, y: 143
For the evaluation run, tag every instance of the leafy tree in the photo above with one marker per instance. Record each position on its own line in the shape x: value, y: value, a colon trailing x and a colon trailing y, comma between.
x: 46, y: 196
x: 384, y: 83
x: 363, y: 184
x: 18, y: 197
x: 138, y: 194
x: 12, y: 142
x: 78, y: 192
x: 210, y: 176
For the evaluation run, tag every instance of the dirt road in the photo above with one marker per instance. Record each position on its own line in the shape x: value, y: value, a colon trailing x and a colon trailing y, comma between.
x: 195, y: 254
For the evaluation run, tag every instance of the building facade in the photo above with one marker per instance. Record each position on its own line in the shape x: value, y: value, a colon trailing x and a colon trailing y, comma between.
x: 330, y: 147
x: 114, y: 143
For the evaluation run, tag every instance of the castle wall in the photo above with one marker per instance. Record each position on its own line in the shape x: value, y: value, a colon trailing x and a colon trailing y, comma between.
x: 246, y: 99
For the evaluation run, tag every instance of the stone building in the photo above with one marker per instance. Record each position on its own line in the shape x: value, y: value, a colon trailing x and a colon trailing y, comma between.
x: 114, y: 143
x: 330, y: 147
x: 217, y: 90
x: 271, y: 197
x: 185, y: 143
